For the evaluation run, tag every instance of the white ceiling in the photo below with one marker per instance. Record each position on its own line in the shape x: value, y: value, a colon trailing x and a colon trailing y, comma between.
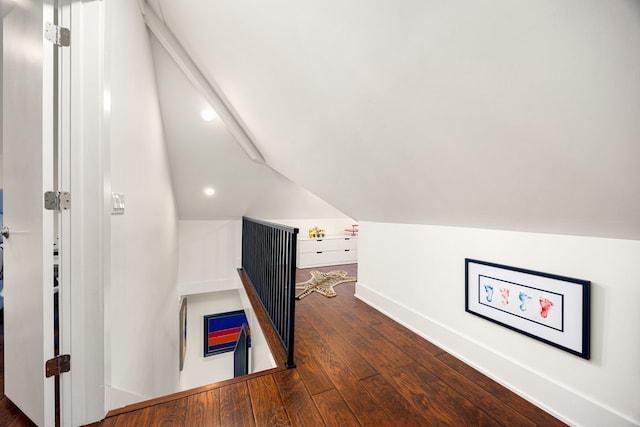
x: 203, y: 154
x: 499, y: 114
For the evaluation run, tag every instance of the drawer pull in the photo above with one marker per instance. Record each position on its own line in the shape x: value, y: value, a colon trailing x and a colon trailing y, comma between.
x: 319, y: 252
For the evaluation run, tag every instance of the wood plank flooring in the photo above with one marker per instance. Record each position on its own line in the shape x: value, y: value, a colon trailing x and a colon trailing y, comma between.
x: 355, y: 367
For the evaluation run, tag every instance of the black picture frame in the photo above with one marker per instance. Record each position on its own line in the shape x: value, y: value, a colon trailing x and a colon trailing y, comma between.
x: 183, y: 332
x: 221, y: 331
x: 547, y: 307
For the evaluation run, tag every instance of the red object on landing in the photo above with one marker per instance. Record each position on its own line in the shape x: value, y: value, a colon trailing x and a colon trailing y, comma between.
x: 353, y: 230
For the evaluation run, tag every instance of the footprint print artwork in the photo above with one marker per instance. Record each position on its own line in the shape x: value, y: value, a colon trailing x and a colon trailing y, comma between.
x: 524, y: 299
x: 545, y: 306
x: 505, y: 295
x: 489, y: 290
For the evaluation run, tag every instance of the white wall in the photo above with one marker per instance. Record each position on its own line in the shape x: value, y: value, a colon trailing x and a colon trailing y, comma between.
x: 143, y: 304
x: 260, y: 358
x: 209, y: 254
x: 210, y: 251
x: 425, y: 264
x: 199, y: 370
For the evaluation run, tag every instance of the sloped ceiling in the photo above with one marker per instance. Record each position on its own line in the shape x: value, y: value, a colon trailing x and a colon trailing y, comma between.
x: 203, y: 154
x: 498, y: 114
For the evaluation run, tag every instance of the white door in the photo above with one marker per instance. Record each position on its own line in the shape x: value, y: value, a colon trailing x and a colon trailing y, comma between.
x: 28, y: 108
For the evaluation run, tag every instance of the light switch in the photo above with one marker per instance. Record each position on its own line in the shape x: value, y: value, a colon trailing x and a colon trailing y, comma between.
x: 117, y: 204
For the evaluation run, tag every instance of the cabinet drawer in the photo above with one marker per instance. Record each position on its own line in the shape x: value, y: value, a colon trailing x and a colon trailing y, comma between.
x: 319, y: 245
x: 314, y: 259
x: 348, y: 243
x: 327, y: 251
x: 306, y: 246
x: 347, y: 256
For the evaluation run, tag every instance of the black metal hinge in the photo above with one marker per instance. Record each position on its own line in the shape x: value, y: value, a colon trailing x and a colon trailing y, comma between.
x: 57, y: 365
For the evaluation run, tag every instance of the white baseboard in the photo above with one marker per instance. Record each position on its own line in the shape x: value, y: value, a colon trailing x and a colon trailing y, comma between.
x: 553, y: 397
x: 116, y: 398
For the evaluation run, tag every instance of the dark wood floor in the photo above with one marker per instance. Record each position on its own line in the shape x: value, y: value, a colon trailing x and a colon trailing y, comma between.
x: 354, y: 367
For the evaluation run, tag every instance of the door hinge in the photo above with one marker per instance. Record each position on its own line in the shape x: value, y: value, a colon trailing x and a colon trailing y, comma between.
x: 57, y: 365
x: 60, y: 36
x: 57, y: 200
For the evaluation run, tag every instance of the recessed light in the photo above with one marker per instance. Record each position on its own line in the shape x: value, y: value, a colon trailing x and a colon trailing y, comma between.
x: 209, y: 191
x: 106, y: 100
x: 207, y: 115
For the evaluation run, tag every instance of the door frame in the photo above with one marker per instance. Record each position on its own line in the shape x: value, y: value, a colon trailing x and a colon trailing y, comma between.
x: 84, y: 252
x: 89, y: 222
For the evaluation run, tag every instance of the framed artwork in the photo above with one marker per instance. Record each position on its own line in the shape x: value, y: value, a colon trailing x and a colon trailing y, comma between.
x: 550, y: 308
x: 221, y: 331
x: 183, y: 331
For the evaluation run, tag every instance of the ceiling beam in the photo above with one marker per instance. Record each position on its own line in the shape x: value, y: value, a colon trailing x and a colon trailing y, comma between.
x: 207, y: 88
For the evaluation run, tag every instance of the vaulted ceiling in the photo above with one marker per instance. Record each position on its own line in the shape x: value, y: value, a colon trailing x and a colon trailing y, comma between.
x: 203, y: 154
x: 499, y: 114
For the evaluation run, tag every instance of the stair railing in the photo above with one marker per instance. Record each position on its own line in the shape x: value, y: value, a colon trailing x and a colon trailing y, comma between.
x: 269, y: 261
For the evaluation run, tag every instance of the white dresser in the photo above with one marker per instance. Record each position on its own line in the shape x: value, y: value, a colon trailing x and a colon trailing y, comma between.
x: 331, y: 250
